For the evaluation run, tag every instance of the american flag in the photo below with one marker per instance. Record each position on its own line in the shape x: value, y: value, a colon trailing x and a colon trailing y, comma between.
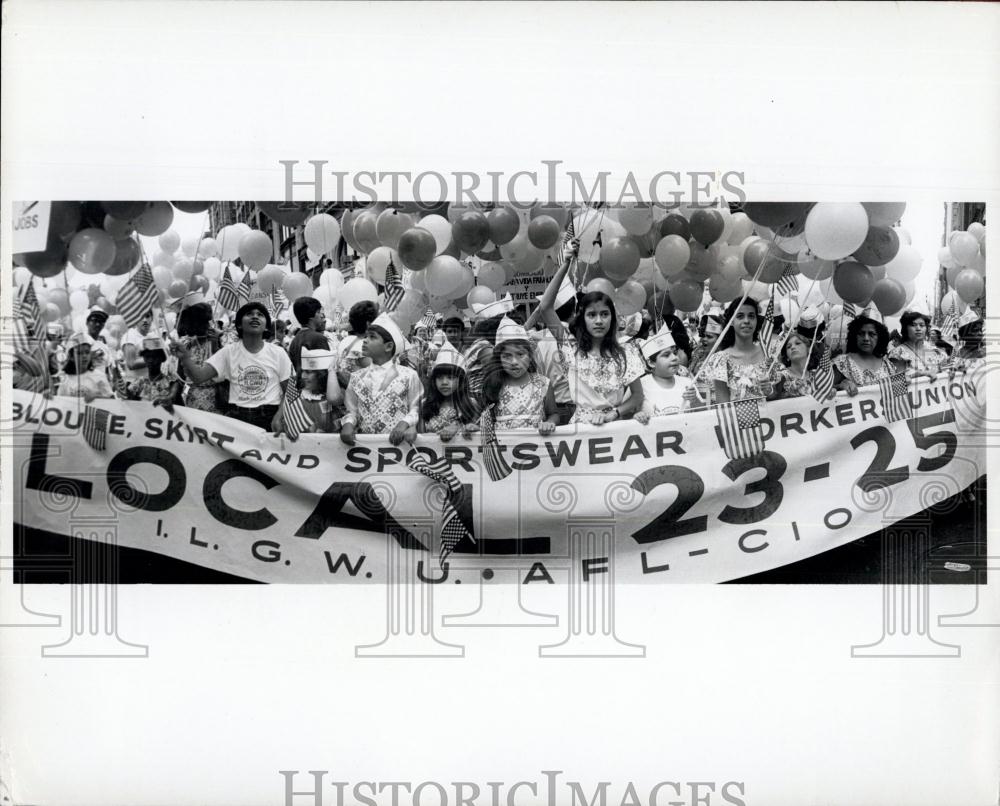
x: 258, y: 294
x: 394, y: 290
x: 570, y: 234
x: 95, y: 427
x: 850, y: 310
x: 453, y: 530
x: 137, y: 296
x: 895, y: 400
x: 493, y: 458
x: 428, y: 321
x: 767, y: 326
x: 821, y: 382
x: 950, y: 327
x: 243, y: 292
x: 787, y: 284
x: 740, y: 429
x: 30, y: 312
x: 227, y: 292
x: 293, y: 411
x: 278, y: 303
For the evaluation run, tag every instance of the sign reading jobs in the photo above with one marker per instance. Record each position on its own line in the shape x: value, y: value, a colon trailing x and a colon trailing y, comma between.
x: 213, y: 491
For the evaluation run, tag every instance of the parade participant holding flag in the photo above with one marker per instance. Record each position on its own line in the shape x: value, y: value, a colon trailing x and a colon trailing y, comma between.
x: 385, y: 396
x: 663, y: 391
x: 196, y: 331
x: 321, y: 393
x: 80, y: 377
x: 741, y: 368
x: 915, y: 354
x: 448, y: 407
x: 800, y: 360
x: 158, y: 387
x: 257, y: 370
x: 96, y: 319
x: 864, y: 363
x: 133, y: 366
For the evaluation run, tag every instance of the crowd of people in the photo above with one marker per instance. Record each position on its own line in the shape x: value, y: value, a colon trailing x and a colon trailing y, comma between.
x: 572, y: 360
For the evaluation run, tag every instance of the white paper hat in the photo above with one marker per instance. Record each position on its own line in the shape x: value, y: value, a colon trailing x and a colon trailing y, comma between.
x: 449, y: 357
x: 810, y: 318
x: 388, y: 324
x: 503, y: 305
x: 658, y: 343
x: 314, y: 360
x: 510, y: 330
x: 192, y: 298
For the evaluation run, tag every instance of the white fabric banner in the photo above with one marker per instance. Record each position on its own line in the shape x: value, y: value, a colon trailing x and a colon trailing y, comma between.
x: 658, y: 503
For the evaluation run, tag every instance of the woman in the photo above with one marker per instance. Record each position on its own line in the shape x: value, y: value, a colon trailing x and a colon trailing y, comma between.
x: 915, y: 354
x: 864, y: 361
x: 741, y: 368
x: 800, y: 362
x: 194, y: 327
x: 257, y: 370
x: 603, y: 375
x: 80, y: 379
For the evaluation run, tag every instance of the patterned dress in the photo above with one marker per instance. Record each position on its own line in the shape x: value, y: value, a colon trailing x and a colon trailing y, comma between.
x: 447, y: 416
x: 743, y: 380
x: 860, y: 376
x: 200, y: 396
x: 522, y: 406
x: 382, y: 396
x: 599, y: 383
x: 795, y: 385
x: 151, y: 389
x: 929, y: 359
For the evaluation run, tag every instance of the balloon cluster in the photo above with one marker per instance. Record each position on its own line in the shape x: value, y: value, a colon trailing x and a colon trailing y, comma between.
x: 964, y: 261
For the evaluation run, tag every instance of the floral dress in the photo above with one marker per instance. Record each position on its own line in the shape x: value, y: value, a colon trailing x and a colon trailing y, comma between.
x: 929, y: 359
x: 858, y: 375
x: 599, y: 383
x: 522, y: 406
x: 965, y: 360
x: 200, y: 396
x: 794, y: 385
x: 743, y: 380
x: 447, y: 416
x: 154, y: 388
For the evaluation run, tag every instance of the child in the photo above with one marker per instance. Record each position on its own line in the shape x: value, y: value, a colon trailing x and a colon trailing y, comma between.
x: 158, y: 387
x: 81, y: 379
x: 519, y: 395
x: 447, y: 407
x: 320, y: 390
x: 664, y: 392
x: 384, y: 396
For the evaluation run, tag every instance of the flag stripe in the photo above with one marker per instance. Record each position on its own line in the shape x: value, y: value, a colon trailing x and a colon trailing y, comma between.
x: 137, y: 297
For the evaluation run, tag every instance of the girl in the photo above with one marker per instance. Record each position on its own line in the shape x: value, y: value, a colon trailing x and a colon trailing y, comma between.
x: 519, y: 396
x: 158, y: 387
x: 80, y: 379
x: 800, y: 361
x: 663, y: 392
x: 447, y: 407
x: 741, y: 368
x: 708, y: 333
x: 916, y: 355
x: 321, y: 392
x: 194, y: 327
x: 864, y: 361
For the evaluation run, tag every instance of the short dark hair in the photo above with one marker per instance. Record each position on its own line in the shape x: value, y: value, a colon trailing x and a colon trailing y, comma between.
x: 245, y: 309
x: 453, y: 321
x: 194, y: 320
x: 854, y: 328
x: 909, y: 317
x: 305, y: 308
x: 361, y: 315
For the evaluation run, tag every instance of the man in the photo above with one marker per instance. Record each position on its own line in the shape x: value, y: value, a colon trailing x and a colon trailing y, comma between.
x: 309, y: 313
x: 96, y: 319
x: 454, y: 331
x: 133, y: 364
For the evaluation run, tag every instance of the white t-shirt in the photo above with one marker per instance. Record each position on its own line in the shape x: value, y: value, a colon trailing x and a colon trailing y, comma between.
x: 135, y: 338
x: 658, y: 400
x: 254, y: 378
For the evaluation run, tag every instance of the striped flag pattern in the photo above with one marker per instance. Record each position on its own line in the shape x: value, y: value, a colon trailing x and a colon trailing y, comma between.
x: 293, y: 411
x: 428, y: 320
x: 243, y: 292
x: 137, y: 297
x: 787, y: 284
x: 895, y: 401
x: 394, y: 290
x: 767, y: 326
x: 453, y: 531
x: 740, y: 428
x: 227, y: 292
x: 95, y: 427
x: 821, y: 382
x: 493, y: 458
x: 277, y: 303
x: 950, y: 327
x: 850, y: 310
x: 30, y: 312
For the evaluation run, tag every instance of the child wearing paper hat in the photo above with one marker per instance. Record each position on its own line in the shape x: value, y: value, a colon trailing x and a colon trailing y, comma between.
x: 320, y: 393
x: 447, y: 407
x: 664, y: 391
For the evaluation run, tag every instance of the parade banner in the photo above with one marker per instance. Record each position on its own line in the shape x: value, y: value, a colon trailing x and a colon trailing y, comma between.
x: 647, y: 503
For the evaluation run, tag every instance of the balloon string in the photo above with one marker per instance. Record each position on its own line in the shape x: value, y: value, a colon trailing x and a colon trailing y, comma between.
x: 795, y: 324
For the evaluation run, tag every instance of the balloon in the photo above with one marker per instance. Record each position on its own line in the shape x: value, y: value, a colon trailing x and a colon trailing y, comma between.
x: 619, y: 258
x: 65, y: 218
x: 815, y: 269
x: 672, y: 254
x: 332, y: 279
x: 192, y: 206
x: 471, y: 231
x: 789, y: 309
x: 952, y: 300
x: 544, y: 232
x: 59, y: 298
x: 707, y: 226
x: 256, y: 249
x: 169, y: 241
x: 356, y: 290
x: 208, y: 248
x: 213, y: 268
x: 686, y: 295
x: 505, y: 223
x: 297, y: 285
x: 952, y: 274
x: 322, y: 233
x: 903, y: 235
x: 774, y: 214
x: 978, y: 264
x: 22, y: 277
x: 765, y: 261
x: 178, y: 288
x: 417, y: 248
x: 92, y: 251
x: 704, y: 261
x: 228, y: 240
x: 189, y: 246
x: 50, y: 313
x: 444, y: 275
x: 482, y: 295
x: 155, y: 219
x: 905, y: 266
x: 593, y: 229
x: 636, y: 220
x: 723, y: 288
x: 291, y: 214
x: 115, y: 228
x: 378, y: 262
x: 629, y: 298
x: 675, y: 224
x: 183, y: 270
x: 964, y: 247
x: 347, y: 228
x: 531, y: 261
x: 878, y: 272
x: 884, y: 214
x: 880, y: 246
x: 365, y: 232
x: 853, y: 282
x: 601, y: 284
x: 835, y: 230
x: 977, y: 230
x: 945, y: 258
x: 742, y: 228
x: 127, y: 256
x: 124, y: 210
x: 390, y: 225
x: 163, y: 277
x: 969, y: 285
x: 270, y: 278
x: 889, y: 296
x: 440, y: 228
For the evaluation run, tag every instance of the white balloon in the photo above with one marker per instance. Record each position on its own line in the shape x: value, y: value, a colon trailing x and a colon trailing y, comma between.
x: 440, y: 228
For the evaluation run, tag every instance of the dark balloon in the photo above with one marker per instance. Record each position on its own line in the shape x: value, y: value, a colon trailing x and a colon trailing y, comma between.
x: 127, y: 254
x: 707, y: 226
x: 291, y: 214
x: 675, y: 224
x: 50, y: 262
x: 471, y: 232
x: 192, y: 206
x: 123, y: 210
x: 881, y: 245
x: 776, y: 214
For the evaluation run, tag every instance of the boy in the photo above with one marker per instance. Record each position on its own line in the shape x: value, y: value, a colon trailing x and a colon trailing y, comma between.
x: 384, y: 396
